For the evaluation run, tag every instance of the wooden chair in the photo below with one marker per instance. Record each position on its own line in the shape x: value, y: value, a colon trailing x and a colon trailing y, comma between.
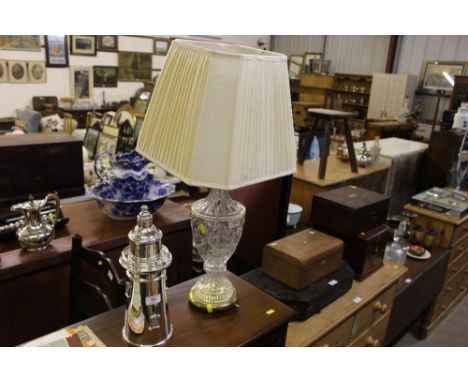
x: 87, y: 298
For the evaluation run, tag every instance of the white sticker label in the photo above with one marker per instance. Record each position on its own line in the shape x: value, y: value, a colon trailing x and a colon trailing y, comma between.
x: 153, y: 300
x: 408, y: 281
x: 332, y: 282
x: 110, y: 275
x: 357, y: 299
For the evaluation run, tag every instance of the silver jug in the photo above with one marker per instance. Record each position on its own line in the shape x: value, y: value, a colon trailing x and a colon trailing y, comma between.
x: 364, y: 158
x: 147, y: 320
x: 36, y: 231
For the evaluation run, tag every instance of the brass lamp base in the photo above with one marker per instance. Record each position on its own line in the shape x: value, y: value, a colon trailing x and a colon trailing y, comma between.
x: 218, y: 306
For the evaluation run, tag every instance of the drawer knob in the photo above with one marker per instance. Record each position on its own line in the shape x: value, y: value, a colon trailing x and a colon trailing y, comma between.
x: 380, y: 307
x: 462, y: 288
x: 371, y: 341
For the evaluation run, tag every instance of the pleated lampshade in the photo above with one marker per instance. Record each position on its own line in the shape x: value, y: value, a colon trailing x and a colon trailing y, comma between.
x: 220, y: 116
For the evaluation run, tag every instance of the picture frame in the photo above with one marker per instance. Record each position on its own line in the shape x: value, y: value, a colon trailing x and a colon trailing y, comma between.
x: 81, y: 82
x: 37, y: 72
x: 309, y: 57
x: 108, y: 43
x: 3, y: 71
x: 56, y: 48
x: 106, y: 142
x: 105, y: 76
x: 161, y: 46
x: 21, y: 42
x: 135, y: 66
x: 90, y: 141
x: 439, y: 76
x: 83, y: 45
x: 17, y: 72
x: 295, y: 65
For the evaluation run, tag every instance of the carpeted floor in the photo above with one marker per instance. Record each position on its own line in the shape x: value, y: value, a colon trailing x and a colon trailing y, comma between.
x: 451, y: 331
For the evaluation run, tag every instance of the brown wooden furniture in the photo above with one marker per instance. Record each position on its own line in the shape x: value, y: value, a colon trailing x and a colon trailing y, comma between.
x: 317, y: 88
x: 353, y: 92
x: 95, y: 285
x: 34, y: 287
x: 386, y: 129
x: 301, y: 116
x: 459, y: 92
x: 81, y: 115
x: 38, y: 164
x: 358, y: 318
x: 451, y: 233
x: 416, y: 290
x: 328, y: 116
x: 260, y: 320
x: 306, y: 182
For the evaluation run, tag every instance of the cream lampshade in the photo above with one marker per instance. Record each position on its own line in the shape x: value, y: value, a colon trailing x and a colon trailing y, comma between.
x: 220, y: 117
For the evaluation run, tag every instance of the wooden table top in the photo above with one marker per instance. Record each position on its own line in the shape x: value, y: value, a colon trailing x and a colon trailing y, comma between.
x: 417, y: 267
x: 96, y: 228
x: 237, y: 327
x: 435, y: 215
x: 337, y: 171
x: 307, y: 332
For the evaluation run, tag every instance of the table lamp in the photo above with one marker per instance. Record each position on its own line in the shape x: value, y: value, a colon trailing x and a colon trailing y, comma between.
x: 220, y: 117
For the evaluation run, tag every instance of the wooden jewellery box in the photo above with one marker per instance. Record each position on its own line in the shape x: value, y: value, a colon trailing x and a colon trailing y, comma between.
x: 300, y: 259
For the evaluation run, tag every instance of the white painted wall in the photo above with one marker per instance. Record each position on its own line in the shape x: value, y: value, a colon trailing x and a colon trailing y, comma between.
x: 13, y: 96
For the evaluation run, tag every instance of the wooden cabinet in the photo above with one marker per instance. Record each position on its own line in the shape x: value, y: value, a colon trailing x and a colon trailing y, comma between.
x: 316, y: 88
x: 451, y: 233
x: 388, y: 93
x: 358, y: 318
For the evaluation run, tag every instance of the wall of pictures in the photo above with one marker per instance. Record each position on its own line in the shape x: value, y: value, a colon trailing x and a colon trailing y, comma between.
x: 19, y: 95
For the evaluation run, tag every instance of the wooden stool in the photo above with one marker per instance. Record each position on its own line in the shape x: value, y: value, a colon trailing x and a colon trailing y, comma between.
x: 329, y: 115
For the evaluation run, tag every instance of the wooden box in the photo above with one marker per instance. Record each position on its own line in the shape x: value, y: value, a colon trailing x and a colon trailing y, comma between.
x: 365, y: 252
x: 38, y: 164
x: 312, y: 298
x: 349, y: 210
x: 300, y: 259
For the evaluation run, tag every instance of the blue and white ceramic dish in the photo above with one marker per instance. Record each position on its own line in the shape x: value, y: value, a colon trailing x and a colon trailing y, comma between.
x: 119, y: 208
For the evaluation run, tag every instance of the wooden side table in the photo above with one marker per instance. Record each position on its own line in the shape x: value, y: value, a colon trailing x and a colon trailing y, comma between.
x: 329, y: 115
x: 259, y: 320
x: 358, y: 318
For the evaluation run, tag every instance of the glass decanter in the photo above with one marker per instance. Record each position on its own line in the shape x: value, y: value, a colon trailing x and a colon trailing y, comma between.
x: 217, y: 223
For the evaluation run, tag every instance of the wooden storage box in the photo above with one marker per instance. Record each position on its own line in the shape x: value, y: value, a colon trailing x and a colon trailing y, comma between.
x: 349, y: 210
x: 38, y: 164
x: 300, y: 259
x: 312, y: 298
x: 365, y: 252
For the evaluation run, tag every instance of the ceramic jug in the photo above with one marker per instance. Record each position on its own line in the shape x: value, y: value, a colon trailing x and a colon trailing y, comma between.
x: 36, y: 231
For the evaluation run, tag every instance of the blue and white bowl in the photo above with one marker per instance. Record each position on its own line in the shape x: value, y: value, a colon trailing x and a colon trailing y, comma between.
x: 113, y: 205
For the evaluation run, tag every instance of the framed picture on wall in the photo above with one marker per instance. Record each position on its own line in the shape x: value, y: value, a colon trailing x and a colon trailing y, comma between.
x: 3, y: 71
x: 135, y: 66
x: 439, y: 76
x: 81, y: 82
x: 108, y: 43
x: 18, y: 72
x: 309, y: 59
x: 296, y: 63
x: 105, y: 76
x: 56, y: 48
x: 161, y: 46
x: 37, y: 72
x: 83, y: 45
x: 23, y: 42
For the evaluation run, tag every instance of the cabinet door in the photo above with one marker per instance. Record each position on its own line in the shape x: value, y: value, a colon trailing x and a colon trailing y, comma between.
x: 396, y: 93
x: 378, y: 95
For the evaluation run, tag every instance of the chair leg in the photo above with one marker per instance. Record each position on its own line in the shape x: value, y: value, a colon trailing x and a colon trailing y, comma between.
x: 306, y: 147
x: 325, y: 151
x: 349, y: 143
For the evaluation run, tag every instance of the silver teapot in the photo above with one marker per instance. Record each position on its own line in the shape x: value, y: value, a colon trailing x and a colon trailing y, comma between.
x: 36, y: 231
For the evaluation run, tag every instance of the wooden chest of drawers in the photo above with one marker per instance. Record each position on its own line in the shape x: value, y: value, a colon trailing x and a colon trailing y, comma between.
x: 451, y: 233
x: 358, y: 318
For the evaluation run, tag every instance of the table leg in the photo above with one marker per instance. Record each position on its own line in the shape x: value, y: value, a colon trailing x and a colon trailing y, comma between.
x: 306, y: 147
x: 349, y: 143
x: 325, y: 151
